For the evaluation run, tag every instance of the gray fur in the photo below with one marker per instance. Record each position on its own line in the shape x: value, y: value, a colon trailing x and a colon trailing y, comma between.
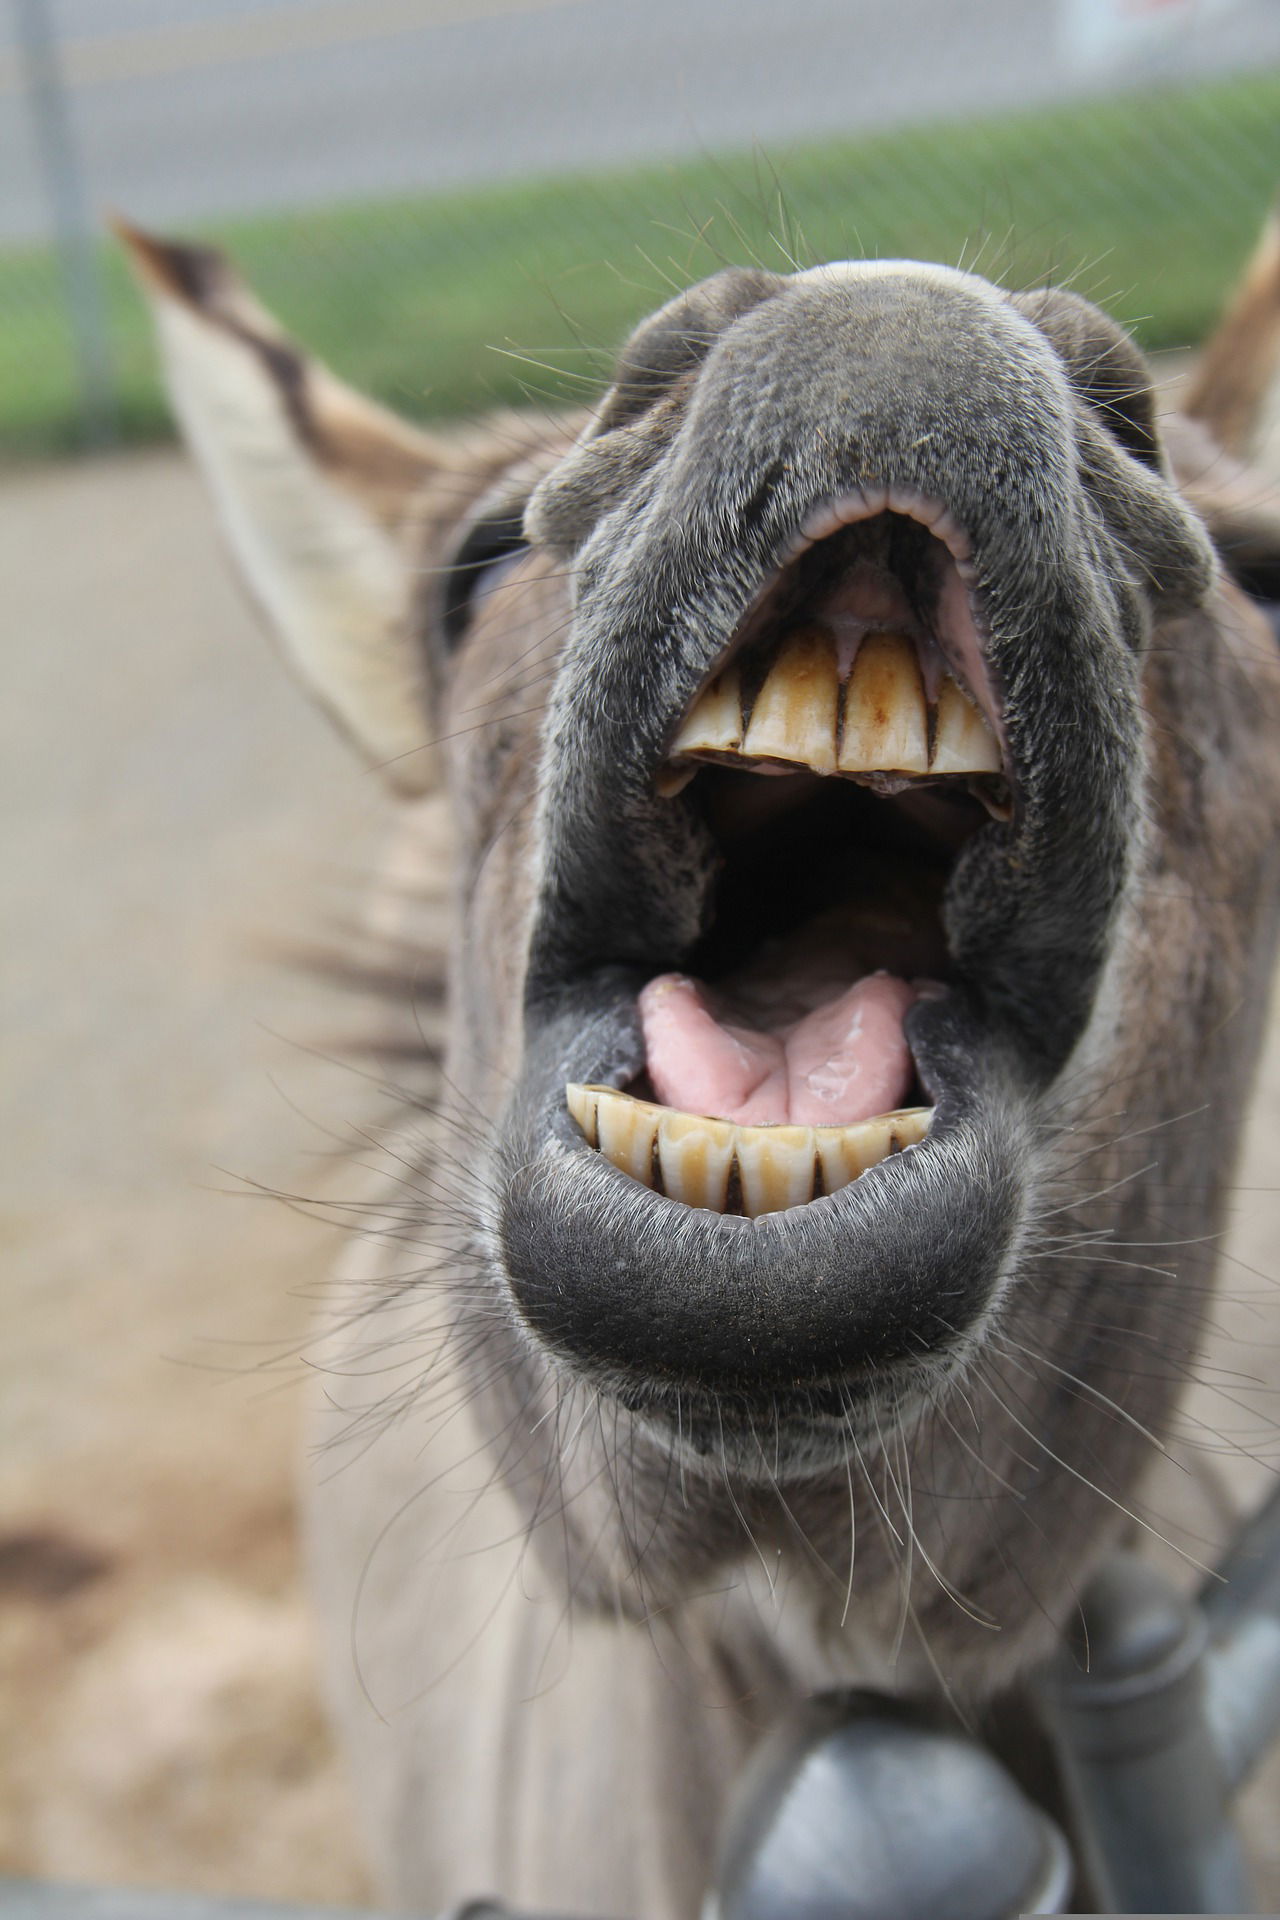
x: 594, y: 1466
x: 663, y: 1399
x: 679, y: 1398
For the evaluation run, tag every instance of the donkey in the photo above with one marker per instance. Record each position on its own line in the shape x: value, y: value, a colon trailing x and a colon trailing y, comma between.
x: 864, y: 782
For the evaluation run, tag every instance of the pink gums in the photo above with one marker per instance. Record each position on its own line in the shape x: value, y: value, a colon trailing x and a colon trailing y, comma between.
x: 846, y: 1061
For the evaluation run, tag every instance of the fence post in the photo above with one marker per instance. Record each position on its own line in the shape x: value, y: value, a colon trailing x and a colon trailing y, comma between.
x: 73, y: 227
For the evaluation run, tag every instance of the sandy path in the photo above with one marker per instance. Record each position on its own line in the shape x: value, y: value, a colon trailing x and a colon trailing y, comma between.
x: 173, y: 805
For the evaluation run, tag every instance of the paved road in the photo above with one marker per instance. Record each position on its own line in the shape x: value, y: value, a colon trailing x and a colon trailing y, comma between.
x: 201, y: 107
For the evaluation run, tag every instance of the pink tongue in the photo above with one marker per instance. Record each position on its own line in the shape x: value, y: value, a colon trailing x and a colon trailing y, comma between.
x: 843, y: 1062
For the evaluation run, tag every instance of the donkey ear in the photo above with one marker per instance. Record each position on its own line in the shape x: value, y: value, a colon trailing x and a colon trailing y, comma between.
x: 1227, y: 451
x: 313, y: 486
x: 1235, y: 389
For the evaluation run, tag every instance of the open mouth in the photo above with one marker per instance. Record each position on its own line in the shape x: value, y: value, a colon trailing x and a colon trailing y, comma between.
x: 844, y: 749
x: 840, y: 800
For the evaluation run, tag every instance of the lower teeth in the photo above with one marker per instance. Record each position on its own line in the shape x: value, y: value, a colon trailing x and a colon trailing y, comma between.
x: 728, y: 1168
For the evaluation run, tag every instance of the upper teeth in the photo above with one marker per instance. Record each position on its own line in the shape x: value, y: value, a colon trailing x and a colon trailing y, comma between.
x: 710, y: 1163
x: 881, y: 721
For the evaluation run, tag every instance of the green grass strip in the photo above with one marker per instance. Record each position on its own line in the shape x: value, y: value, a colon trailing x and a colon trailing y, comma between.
x: 446, y: 304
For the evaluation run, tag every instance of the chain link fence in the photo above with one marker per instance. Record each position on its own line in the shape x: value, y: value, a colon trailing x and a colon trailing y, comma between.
x: 460, y: 202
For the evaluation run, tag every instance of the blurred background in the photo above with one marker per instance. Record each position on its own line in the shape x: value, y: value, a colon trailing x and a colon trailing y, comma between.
x: 442, y: 192
x: 456, y: 202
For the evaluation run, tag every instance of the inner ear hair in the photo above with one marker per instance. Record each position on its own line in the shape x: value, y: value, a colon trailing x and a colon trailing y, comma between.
x: 1104, y: 365
x: 1235, y: 389
x: 1238, y: 503
x: 316, y: 489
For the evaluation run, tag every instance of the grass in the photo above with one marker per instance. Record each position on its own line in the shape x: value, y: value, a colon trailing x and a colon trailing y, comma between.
x: 443, y: 305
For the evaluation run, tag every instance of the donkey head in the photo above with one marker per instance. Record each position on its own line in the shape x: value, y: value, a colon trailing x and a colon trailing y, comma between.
x: 866, y: 794
x: 862, y: 529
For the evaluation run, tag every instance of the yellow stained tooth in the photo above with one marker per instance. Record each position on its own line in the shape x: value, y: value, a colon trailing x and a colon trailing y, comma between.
x: 627, y: 1129
x: 714, y: 722
x: 794, y: 717
x: 695, y: 1156
x: 962, y: 740
x: 583, y: 1103
x: 886, y: 726
x: 908, y: 1127
x: 845, y: 1152
x: 775, y: 1168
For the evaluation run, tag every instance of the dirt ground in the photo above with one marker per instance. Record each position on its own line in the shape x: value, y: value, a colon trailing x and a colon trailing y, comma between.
x: 172, y: 807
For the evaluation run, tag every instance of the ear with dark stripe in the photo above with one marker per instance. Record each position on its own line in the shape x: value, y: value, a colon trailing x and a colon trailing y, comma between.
x: 313, y: 486
x: 1104, y: 364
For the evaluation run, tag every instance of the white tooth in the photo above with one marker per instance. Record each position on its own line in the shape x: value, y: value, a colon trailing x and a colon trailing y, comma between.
x: 845, y: 1152
x: 885, y: 724
x: 775, y: 1168
x: 627, y: 1130
x: 583, y: 1103
x: 695, y: 1156
x: 714, y: 722
x: 962, y: 740
x: 794, y: 717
